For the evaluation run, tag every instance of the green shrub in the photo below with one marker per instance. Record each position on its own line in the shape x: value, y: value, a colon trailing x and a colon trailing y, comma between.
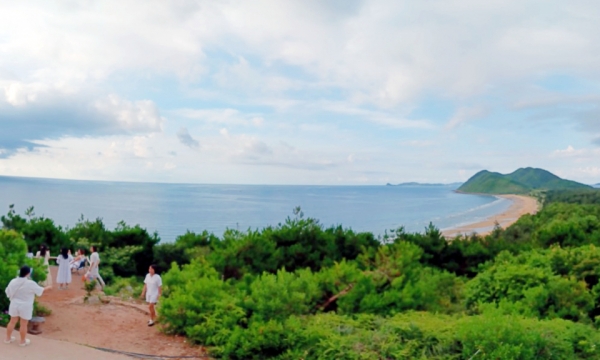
x: 197, y: 303
x: 412, y: 335
x: 12, y: 256
x: 396, y: 281
x: 528, y: 285
x: 125, y: 288
x: 41, y: 310
x: 498, y: 336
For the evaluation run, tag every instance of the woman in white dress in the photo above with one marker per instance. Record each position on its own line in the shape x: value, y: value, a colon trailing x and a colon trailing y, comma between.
x: 44, y: 253
x: 153, y: 291
x: 63, y: 276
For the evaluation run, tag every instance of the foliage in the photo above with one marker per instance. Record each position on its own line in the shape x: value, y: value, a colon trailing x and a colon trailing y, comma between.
x: 12, y: 254
x: 583, y: 196
x: 395, y: 281
x: 183, y: 249
x: 528, y: 285
x: 119, y: 261
x: 36, y: 231
x: 138, y: 242
x: 125, y: 288
x: 522, y: 181
x: 89, y: 286
x: 125, y: 251
x: 411, y: 335
x: 300, y: 290
x: 512, y: 294
x: 485, y: 182
x: 296, y: 244
x: 41, y: 310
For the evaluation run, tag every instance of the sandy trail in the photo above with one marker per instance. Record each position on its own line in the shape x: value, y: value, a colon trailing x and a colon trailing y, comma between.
x: 520, y: 206
x: 111, y: 326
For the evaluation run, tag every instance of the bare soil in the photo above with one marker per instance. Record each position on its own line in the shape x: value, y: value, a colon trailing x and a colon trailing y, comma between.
x: 117, y: 325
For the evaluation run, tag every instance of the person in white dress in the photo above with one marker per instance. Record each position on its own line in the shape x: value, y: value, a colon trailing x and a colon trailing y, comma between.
x: 63, y: 276
x: 153, y: 291
x: 21, y: 292
x: 44, y: 253
x: 93, y: 272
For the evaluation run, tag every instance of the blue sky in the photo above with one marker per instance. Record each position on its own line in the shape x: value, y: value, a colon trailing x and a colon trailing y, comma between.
x: 298, y: 92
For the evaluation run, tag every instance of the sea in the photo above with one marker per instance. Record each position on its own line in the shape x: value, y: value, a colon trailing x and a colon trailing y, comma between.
x: 172, y: 209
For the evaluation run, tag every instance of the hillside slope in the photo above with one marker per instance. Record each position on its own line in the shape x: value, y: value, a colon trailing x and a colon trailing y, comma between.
x: 522, y: 181
x: 486, y: 182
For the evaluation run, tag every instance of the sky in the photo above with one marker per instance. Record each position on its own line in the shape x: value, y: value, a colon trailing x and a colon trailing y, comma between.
x: 337, y: 92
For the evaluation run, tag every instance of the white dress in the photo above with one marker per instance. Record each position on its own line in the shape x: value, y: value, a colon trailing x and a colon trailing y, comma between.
x: 153, y: 284
x: 48, y: 281
x: 63, y: 275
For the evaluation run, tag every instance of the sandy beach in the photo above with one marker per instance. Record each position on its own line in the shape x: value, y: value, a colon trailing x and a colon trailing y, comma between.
x: 520, y: 206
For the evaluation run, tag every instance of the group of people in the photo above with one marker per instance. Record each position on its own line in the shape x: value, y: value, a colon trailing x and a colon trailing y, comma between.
x: 68, y: 264
x: 22, y: 291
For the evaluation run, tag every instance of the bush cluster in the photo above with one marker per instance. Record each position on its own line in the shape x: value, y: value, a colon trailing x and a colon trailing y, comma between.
x: 300, y: 290
x: 528, y: 292
x: 13, y: 250
x: 126, y: 251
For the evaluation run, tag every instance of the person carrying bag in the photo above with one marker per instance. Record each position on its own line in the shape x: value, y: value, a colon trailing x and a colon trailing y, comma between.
x: 21, y: 292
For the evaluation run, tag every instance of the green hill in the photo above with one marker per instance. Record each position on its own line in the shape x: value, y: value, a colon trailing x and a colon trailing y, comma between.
x: 521, y: 181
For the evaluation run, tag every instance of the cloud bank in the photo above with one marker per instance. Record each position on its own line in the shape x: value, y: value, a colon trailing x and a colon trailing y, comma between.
x: 336, y: 80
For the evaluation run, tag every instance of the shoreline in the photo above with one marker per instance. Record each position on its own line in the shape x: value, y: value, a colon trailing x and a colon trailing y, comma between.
x: 520, y: 206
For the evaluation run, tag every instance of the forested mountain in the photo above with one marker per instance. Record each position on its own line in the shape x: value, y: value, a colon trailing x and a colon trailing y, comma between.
x: 522, y: 181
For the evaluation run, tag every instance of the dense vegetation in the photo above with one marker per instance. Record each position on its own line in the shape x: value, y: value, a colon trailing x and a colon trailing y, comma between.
x: 12, y: 255
x: 300, y: 290
x: 522, y: 181
x: 126, y: 250
x: 583, y: 196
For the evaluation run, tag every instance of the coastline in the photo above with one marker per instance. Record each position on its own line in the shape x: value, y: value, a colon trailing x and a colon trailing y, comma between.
x: 520, y: 206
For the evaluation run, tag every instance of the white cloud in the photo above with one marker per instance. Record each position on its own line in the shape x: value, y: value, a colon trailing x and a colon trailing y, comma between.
x: 593, y: 171
x: 418, y: 143
x: 570, y: 151
x: 382, y: 117
x: 454, y: 47
x: 466, y: 114
x: 226, y: 116
x: 19, y: 94
x: 257, y: 75
x: 134, y: 116
x: 254, y: 147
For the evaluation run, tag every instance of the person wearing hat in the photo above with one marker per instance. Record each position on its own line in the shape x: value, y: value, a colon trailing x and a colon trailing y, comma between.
x: 21, y: 292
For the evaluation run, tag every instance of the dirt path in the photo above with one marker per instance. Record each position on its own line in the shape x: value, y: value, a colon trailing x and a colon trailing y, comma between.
x: 41, y: 348
x: 112, y: 325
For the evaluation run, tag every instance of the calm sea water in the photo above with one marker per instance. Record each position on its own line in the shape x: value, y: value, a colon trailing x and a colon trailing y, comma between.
x: 171, y: 209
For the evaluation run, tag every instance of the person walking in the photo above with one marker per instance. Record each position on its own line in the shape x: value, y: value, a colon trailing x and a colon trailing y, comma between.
x: 63, y: 276
x: 93, y: 272
x: 153, y: 291
x: 21, y: 292
x: 44, y: 253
